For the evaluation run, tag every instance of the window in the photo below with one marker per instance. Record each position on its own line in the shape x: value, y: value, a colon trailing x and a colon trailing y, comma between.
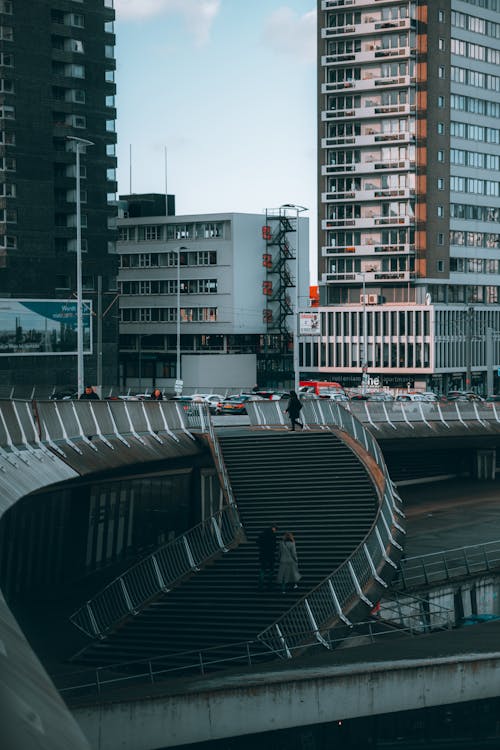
x: 6, y: 60
x: 440, y: 155
x: 71, y: 220
x: 63, y: 282
x: 6, y: 7
x: 441, y: 44
x: 71, y: 246
x: 441, y: 71
x: 76, y: 121
x: 441, y: 16
x: 440, y: 183
x: 6, y: 33
x: 440, y: 238
x: 74, y: 19
x: 74, y: 45
x: 74, y: 71
x: 441, y: 102
x: 440, y: 211
x: 440, y: 266
x: 440, y: 128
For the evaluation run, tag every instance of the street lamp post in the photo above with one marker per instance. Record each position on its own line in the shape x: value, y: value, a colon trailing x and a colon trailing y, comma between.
x: 79, y: 142
x: 296, y: 361
x: 178, y: 381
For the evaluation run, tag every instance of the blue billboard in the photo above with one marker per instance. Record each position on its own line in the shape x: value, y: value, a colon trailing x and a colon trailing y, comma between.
x: 42, y: 326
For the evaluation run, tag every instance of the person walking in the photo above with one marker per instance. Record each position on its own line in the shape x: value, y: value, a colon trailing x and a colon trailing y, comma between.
x: 293, y: 410
x: 288, y: 571
x: 267, y: 544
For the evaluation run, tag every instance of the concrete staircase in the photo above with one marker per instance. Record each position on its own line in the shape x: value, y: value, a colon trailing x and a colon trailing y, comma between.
x: 310, y: 483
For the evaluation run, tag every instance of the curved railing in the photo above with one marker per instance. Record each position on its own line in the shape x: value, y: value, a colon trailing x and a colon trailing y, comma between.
x: 166, y: 567
x: 157, y: 573
x: 333, y: 599
x: 400, y: 614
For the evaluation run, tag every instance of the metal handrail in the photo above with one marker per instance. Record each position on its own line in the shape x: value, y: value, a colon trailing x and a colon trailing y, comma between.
x: 410, y: 615
x: 423, y: 570
x: 333, y: 598
x: 158, y: 572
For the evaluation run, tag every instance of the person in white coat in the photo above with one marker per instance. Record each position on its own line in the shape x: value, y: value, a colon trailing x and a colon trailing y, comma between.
x: 288, y: 572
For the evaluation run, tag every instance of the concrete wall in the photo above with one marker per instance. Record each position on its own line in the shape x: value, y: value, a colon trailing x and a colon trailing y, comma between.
x: 248, y: 704
x: 205, y: 371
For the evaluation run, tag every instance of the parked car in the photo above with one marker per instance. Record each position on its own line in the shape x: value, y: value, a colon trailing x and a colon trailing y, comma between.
x: 236, y: 404
x: 212, y: 399
x: 463, y: 396
x: 411, y: 397
x: 380, y: 396
x: 336, y: 397
x: 493, y: 397
x: 273, y: 395
x: 185, y: 402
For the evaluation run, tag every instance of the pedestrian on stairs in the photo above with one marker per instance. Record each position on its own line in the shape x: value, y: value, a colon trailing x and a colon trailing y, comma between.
x: 288, y: 572
x: 267, y: 544
x: 293, y: 410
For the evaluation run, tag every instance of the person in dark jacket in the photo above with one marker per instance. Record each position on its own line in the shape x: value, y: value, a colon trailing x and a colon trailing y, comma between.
x: 293, y: 410
x: 157, y: 395
x: 89, y: 394
x: 267, y: 544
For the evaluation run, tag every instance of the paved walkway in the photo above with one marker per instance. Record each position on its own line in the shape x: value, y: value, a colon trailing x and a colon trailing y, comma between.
x: 446, y: 515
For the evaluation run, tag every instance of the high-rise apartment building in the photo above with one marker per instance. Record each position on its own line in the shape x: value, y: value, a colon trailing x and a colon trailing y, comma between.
x: 409, y: 192
x: 57, y: 72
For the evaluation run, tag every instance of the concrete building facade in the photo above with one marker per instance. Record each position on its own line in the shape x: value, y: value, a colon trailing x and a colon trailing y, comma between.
x: 409, y: 196
x: 222, y: 268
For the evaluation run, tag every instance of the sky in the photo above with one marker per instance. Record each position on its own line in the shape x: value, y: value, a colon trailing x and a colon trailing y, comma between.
x: 222, y: 92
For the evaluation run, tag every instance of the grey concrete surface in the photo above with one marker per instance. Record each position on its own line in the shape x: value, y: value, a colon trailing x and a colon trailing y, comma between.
x: 450, y: 514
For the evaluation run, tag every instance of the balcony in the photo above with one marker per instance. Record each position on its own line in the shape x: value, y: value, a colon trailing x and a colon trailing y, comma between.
x: 368, y: 194
x: 368, y: 111
x: 335, y: 4
x: 369, y: 277
x: 369, y: 25
x: 368, y: 83
x: 371, y: 53
x: 368, y: 167
x: 371, y: 247
x: 369, y: 138
x: 369, y: 222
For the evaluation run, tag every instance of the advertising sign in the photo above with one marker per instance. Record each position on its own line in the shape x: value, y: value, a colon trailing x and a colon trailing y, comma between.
x: 309, y: 324
x: 42, y: 326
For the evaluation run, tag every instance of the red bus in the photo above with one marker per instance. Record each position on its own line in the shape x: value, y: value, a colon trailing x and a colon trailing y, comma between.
x: 319, y: 387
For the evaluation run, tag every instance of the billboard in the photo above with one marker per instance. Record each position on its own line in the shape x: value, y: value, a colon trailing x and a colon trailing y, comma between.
x: 309, y: 324
x: 42, y: 326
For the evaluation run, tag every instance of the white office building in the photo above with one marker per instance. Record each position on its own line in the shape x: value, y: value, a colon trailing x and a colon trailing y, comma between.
x: 222, y: 302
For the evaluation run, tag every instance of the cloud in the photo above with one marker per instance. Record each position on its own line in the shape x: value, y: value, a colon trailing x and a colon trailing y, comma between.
x: 289, y: 33
x: 198, y: 14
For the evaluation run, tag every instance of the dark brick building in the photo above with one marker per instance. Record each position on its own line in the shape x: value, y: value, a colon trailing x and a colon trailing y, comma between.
x: 56, y: 80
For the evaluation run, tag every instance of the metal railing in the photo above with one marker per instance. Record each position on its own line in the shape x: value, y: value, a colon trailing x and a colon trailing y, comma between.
x: 158, y: 573
x: 333, y: 598
x: 414, y: 614
x: 403, y: 615
x: 396, y: 414
x: 437, y: 567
